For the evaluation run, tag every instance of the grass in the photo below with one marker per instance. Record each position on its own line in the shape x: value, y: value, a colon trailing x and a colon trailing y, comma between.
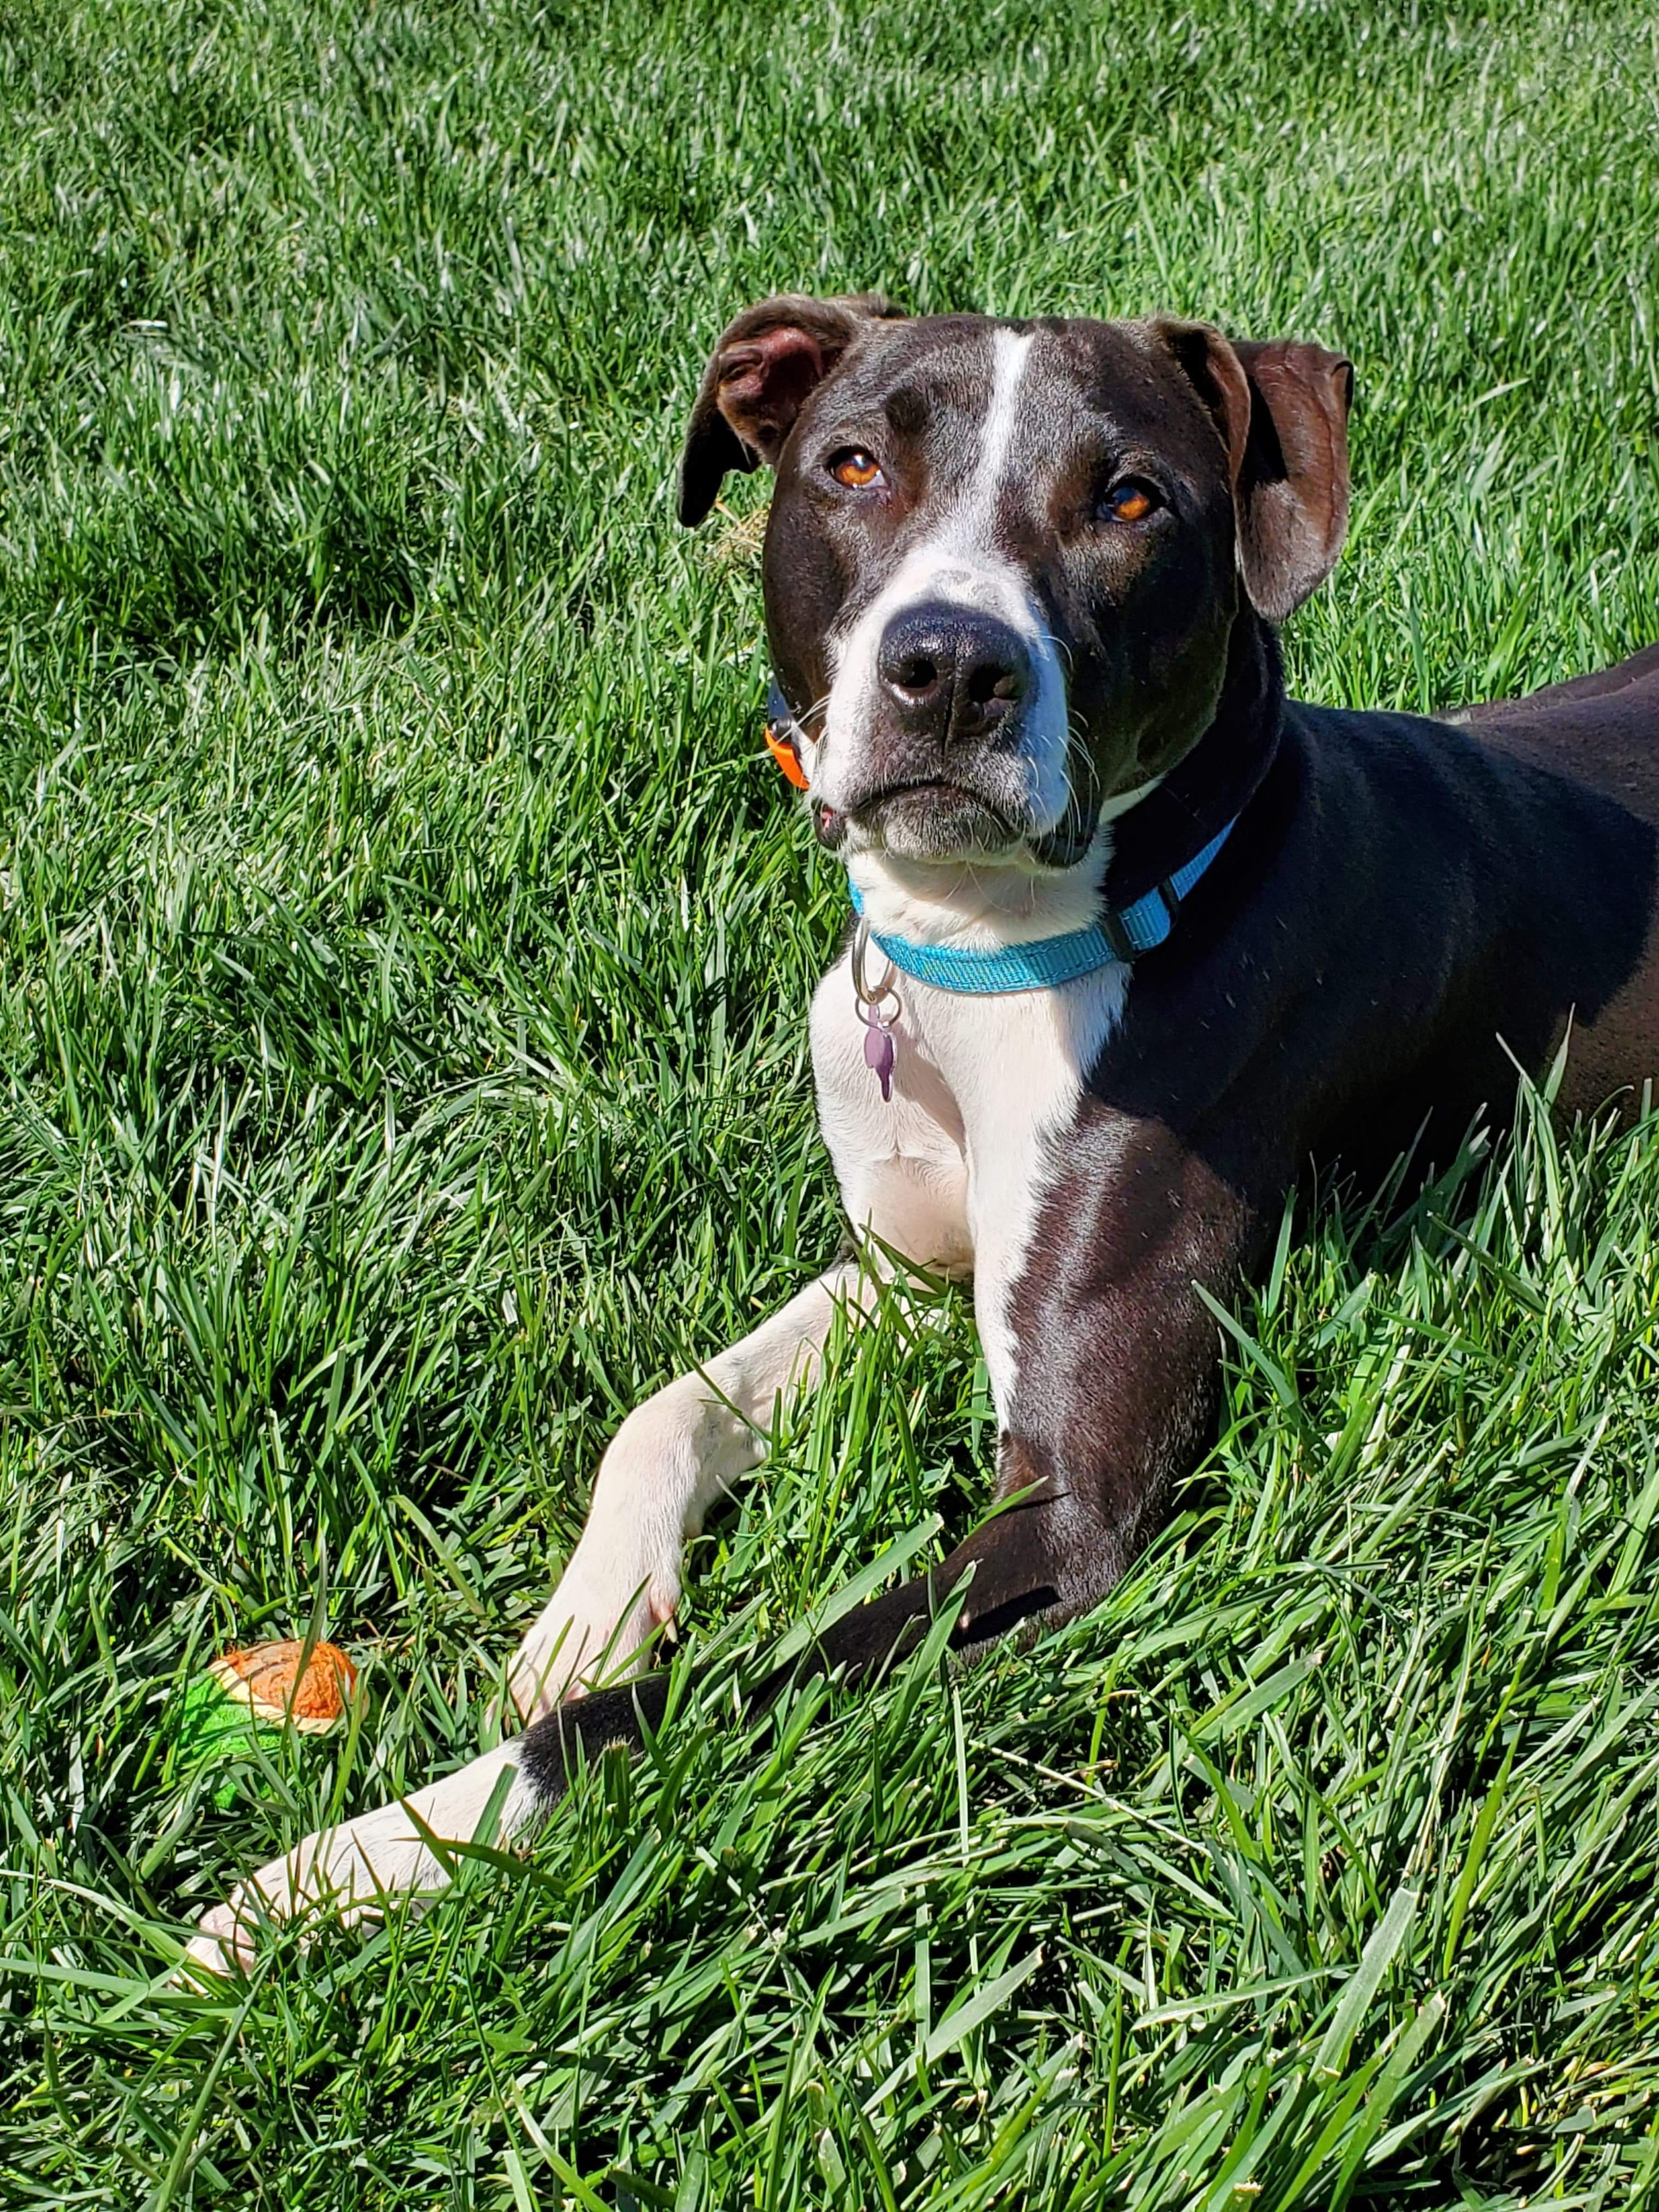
x: 403, y: 950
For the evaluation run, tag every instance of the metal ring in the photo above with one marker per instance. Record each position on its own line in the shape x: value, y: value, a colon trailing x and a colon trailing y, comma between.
x: 862, y: 990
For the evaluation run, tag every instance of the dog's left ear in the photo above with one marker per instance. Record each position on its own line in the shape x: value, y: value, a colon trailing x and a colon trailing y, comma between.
x: 1282, y: 409
x: 762, y: 372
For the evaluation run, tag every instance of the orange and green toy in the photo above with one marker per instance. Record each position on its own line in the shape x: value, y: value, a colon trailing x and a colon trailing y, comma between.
x: 256, y: 1697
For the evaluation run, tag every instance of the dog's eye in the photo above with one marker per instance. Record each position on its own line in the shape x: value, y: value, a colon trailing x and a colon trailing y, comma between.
x: 1132, y: 501
x: 855, y: 468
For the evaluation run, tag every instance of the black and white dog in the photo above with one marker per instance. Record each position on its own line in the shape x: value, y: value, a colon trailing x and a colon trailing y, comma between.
x: 1139, y: 937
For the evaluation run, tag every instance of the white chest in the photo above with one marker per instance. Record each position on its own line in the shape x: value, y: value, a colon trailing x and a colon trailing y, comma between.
x: 954, y: 1167
x: 1014, y: 1066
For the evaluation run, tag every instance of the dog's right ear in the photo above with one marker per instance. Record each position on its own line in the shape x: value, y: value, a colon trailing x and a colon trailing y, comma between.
x: 762, y: 369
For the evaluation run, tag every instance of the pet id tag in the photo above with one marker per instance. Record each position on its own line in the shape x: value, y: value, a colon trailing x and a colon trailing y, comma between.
x: 879, y: 1008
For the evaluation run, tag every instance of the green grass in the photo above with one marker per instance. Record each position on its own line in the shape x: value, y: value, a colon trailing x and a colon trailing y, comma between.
x: 403, y: 952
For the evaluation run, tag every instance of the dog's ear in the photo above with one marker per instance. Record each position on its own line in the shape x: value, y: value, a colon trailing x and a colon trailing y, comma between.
x: 1282, y: 410
x: 757, y: 382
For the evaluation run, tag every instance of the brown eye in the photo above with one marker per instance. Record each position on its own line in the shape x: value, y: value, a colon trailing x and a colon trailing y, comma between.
x: 855, y: 468
x: 1128, y: 502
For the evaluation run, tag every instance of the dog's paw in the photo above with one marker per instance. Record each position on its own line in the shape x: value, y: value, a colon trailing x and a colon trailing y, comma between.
x: 222, y: 1945
x: 328, y: 1866
x: 353, y: 1870
x: 599, y: 1628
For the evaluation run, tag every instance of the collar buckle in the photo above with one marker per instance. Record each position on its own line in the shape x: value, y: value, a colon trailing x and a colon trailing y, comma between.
x: 1122, y: 943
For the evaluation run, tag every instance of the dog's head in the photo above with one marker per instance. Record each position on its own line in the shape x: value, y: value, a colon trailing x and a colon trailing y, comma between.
x: 1005, y: 560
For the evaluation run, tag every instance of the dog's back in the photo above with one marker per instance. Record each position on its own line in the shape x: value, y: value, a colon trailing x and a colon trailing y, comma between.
x: 1601, y: 729
x: 1601, y: 732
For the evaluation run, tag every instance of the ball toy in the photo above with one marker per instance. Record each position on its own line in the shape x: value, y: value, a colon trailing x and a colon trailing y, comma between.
x: 255, y: 1697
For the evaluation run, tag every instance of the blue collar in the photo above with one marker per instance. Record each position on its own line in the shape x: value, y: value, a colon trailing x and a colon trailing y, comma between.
x: 1119, y: 934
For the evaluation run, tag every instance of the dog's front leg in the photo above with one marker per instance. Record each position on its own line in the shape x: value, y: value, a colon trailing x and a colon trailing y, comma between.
x: 904, y: 1181
x: 1107, y: 1398
x: 359, y: 1863
x: 668, y: 1461
x: 668, y: 1464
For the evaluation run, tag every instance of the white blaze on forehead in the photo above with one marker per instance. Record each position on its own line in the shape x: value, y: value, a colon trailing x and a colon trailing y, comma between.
x: 1011, y: 352
x: 960, y: 564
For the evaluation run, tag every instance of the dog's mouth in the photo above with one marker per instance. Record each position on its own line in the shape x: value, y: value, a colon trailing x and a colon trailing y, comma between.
x: 930, y: 818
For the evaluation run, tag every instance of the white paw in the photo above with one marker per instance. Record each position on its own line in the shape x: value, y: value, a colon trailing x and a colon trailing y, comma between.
x: 599, y: 1626
x: 326, y: 1869
x: 222, y: 1944
x: 352, y: 1870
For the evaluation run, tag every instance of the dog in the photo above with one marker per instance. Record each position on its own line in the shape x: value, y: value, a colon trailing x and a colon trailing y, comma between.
x: 1137, y: 938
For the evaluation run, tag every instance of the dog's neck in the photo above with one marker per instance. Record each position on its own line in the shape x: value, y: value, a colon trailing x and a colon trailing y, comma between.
x: 1144, y: 836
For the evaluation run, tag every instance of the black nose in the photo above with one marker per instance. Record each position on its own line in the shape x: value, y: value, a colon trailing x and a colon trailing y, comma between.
x: 953, y: 675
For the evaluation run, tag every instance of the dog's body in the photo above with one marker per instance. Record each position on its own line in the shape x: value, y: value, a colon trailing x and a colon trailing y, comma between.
x: 1021, y: 585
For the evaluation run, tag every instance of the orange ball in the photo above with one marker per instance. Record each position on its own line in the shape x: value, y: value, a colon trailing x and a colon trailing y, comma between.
x: 266, y: 1678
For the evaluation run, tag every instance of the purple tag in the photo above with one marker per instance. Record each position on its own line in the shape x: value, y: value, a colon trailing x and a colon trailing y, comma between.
x: 878, y: 1056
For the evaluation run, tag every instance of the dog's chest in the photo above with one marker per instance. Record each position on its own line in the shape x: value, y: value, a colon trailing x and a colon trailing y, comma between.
x: 990, y: 1081
x: 1014, y: 1065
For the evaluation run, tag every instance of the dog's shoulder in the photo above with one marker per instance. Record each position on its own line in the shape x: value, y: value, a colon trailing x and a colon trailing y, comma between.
x: 1399, y: 894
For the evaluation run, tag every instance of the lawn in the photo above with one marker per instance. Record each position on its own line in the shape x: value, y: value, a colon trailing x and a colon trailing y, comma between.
x: 404, y: 948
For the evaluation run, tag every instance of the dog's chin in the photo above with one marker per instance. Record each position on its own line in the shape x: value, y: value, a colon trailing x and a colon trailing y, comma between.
x: 931, y: 822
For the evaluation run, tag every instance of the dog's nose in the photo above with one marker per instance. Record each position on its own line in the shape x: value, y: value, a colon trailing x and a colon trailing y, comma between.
x: 952, y: 674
